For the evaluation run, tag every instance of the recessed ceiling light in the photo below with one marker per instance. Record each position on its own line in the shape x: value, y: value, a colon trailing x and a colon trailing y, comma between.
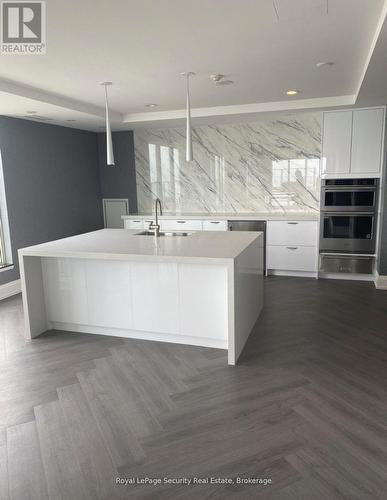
x: 151, y: 105
x: 224, y: 82
x: 219, y: 79
x: 325, y: 64
x: 292, y: 92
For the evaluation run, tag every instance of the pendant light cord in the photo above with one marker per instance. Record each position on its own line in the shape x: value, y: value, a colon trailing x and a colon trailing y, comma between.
x: 106, y: 94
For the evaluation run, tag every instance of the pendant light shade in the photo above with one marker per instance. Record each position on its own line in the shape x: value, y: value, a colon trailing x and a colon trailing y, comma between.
x: 188, y: 147
x: 109, y: 142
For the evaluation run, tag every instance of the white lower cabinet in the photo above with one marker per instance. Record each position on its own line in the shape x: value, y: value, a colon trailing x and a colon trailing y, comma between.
x: 155, y: 297
x: 181, y: 225
x: 108, y: 293
x: 291, y: 258
x: 292, y: 232
x: 65, y: 290
x: 215, y: 225
x: 292, y: 246
x: 134, y: 224
x: 203, y: 314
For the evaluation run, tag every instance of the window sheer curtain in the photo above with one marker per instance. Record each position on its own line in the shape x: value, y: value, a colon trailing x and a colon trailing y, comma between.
x: 3, y: 260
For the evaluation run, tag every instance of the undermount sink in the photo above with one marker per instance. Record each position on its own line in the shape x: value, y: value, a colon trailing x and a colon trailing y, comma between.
x: 151, y: 233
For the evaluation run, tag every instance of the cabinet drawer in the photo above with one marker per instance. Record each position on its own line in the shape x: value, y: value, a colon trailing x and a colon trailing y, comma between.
x: 215, y: 225
x: 134, y: 224
x: 292, y: 258
x: 181, y: 225
x: 302, y: 233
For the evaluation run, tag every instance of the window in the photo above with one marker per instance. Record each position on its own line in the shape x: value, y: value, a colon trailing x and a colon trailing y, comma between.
x: 3, y: 260
x: 5, y: 241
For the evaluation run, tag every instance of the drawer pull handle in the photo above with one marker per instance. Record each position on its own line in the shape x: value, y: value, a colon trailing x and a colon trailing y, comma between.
x: 181, y: 221
x: 214, y: 222
x: 292, y: 248
x: 293, y: 223
x: 136, y: 221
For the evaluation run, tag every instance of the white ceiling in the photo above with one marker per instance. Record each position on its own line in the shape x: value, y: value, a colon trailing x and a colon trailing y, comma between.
x: 266, y: 47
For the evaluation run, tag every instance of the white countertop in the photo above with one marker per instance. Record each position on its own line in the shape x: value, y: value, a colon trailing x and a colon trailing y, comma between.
x: 124, y: 244
x: 312, y: 216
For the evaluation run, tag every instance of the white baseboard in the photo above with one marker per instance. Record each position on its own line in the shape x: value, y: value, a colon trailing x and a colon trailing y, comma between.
x: 347, y: 276
x: 9, y: 289
x: 136, y: 334
x: 380, y: 282
x: 297, y: 274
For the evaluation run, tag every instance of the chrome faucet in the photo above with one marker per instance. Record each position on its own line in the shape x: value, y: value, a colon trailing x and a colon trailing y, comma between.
x: 155, y: 226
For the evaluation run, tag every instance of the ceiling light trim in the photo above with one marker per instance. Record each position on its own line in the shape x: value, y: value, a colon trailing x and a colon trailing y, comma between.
x: 239, y: 109
x: 35, y: 94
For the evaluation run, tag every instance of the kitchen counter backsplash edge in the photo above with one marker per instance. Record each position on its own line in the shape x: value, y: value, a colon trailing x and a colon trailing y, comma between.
x: 312, y: 216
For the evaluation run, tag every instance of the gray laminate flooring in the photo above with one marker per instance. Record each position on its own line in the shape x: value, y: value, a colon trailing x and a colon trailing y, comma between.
x: 305, y: 407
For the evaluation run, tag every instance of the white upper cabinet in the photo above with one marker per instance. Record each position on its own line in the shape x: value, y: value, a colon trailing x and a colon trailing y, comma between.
x: 352, y: 143
x: 336, y: 158
x: 367, y: 139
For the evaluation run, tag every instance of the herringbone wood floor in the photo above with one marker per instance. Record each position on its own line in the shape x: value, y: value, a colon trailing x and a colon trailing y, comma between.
x: 306, y: 406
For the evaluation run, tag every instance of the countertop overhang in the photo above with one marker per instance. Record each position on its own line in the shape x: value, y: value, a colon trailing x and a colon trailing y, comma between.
x: 126, y: 244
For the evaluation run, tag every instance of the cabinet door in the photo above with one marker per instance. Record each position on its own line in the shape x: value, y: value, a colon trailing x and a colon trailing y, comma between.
x: 65, y: 290
x: 181, y: 225
x: 155, y: 297
x: 301, y: 233
x: 337, y: 142
x: 292, y: 258
x: 367, y: 141
x: 109, y: 297
x: 203, y: 301
x: 113, y: 209
x: 215, y: 225
x: 134, y: 224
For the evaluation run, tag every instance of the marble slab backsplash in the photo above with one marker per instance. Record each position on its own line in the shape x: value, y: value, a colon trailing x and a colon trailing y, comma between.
x: 272, y: 165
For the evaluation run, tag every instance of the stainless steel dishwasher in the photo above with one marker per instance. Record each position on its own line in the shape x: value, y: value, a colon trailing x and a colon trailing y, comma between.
x: 251, y: 225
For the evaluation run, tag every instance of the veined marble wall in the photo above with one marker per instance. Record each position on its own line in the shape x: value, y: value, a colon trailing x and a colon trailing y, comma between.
x: 270, y: 165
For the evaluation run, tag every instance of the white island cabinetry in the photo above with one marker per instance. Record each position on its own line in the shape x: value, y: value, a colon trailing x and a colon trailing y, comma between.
x: 203, y: 289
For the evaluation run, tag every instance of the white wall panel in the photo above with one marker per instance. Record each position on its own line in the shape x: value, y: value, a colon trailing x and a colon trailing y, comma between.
x: 203, y: 300
x: 65, y: 290
x: 155, y: 297
x: 109, y: 293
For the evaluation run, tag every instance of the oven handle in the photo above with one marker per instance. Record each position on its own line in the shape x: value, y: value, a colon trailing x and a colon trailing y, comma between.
x: 349, y: 188
x: 343, y: 256
x: 353, y: 214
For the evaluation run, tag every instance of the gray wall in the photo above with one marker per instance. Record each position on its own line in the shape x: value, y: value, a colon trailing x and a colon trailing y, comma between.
x: 382, y: 268
x: 382, y: 263
x: 119, y: 181
x: 52, y: 183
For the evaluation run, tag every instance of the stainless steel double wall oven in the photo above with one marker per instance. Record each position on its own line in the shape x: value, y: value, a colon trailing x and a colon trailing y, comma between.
x: 349, y: 209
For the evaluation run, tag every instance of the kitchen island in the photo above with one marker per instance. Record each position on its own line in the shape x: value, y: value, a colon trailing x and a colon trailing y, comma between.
x: 202, y: 288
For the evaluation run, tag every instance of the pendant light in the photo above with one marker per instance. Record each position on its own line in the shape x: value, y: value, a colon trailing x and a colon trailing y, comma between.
x: 109, y: 142
x: 188, y: 147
